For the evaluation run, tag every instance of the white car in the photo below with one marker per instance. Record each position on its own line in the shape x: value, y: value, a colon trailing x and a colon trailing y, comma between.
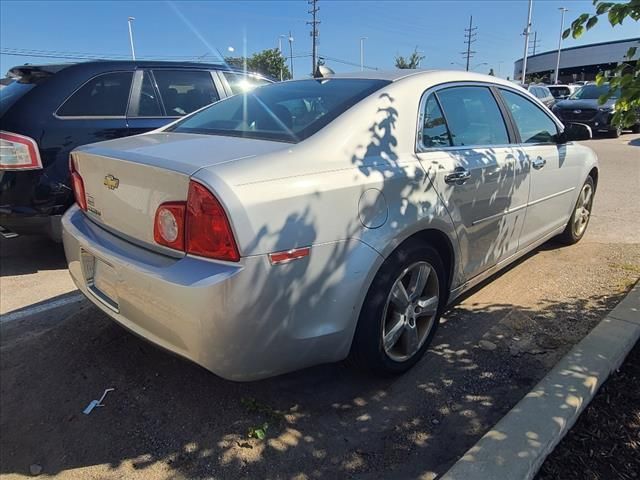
x: 312, y: 220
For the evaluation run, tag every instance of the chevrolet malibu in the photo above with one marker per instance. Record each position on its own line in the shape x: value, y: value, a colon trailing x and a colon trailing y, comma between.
x: 314, y: 220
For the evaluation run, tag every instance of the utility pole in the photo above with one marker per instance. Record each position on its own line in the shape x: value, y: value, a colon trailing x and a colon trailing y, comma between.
x: 470, y: 37
x: 314, y: 33
x: 291, y: 52
x: 533, y: 46
x: 527, y: 32
x: 563, y: 10
x: 362, y: 39
x: 133, y: 52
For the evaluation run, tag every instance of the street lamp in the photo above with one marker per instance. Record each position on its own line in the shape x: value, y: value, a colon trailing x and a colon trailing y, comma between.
x: 291, y: 53
x: 562, y: 10
x: 133, y: 52
x: 280, y: 37
x: 362, y: 39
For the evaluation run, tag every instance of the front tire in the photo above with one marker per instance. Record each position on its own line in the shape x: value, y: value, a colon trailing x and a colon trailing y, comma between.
x: 401, y: 311
x: 581, y: 215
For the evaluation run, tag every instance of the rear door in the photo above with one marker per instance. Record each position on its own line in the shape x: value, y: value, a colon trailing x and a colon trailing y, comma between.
x: 553, y: 169
x: 465, y: 146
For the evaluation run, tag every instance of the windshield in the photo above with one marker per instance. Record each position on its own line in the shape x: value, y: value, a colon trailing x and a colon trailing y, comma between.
x: 593, y: 92
x: 560, y: 91
x: 285, y: 112
x: 9, y: 94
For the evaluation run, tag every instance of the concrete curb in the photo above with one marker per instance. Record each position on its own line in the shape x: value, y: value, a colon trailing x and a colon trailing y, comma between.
x: 518, y: 444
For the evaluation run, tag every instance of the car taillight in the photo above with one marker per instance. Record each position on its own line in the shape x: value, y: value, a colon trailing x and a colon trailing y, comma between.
x: 200, y: 226
x: 168, y: 229
x: 208, y: 232
x: 18, y: 152
x: 77, y: 185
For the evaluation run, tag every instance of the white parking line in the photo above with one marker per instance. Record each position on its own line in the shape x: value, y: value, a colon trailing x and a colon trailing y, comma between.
x: 42, y: 307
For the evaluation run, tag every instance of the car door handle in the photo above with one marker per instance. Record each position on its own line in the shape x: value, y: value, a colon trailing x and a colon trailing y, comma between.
x: 538, y: 163
x: 458, y: 177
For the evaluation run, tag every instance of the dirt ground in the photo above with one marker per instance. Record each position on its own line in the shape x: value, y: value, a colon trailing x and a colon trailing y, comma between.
x: 169, y: 419
x: 605, y: 442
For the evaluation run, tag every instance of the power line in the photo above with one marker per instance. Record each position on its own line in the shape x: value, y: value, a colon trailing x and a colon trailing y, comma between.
x: 314, y: 33
x: 469, y: 38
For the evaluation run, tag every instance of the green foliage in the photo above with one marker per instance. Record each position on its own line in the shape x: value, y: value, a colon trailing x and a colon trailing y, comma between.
x: 625, y: 76
x: 412, y: 61
x: 269, y: 62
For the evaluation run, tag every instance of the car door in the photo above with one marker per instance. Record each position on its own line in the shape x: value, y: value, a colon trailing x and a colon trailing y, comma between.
x: 464, y: 144
x: 553, y: 169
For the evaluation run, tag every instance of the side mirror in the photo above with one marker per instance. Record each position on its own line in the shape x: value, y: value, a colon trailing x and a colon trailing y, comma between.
x: 575, y: 132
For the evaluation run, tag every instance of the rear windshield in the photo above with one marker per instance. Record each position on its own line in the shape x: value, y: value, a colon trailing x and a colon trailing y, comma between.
x: 560, y: 91
x: 10, y: 94
x: 284, y: 112
x: 593, y: 92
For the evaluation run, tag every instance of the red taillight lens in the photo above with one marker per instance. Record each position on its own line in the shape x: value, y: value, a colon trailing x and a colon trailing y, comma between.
x: 208, y: 232
x: 168, y: 228
x: 77, y: 185
x: 18, y: 152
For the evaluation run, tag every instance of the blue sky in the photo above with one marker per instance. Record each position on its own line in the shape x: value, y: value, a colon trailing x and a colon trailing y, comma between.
x: 183, y: 29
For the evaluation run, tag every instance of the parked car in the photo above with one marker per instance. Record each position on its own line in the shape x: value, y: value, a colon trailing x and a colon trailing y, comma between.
x: 47, y: 110
x: 584, y: 107
x: 315, y: 219
x: 542, y: 93
x: 560, y: 92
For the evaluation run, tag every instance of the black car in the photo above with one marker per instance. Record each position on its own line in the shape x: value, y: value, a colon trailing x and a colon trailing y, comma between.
x: 48, y: 110
x: 583, y: 107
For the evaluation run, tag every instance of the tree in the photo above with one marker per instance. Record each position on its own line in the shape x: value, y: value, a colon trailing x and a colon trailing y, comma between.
x: 268, y: 62
x: 413, y: 61
x: 491, y: 72
x: 626, y: 76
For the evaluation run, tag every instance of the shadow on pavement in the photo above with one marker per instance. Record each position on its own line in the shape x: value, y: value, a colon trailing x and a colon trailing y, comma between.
x: 30, y: 254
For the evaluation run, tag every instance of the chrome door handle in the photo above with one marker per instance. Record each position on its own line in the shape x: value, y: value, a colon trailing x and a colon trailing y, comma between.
x: 458, y: 177
x: 538, y: 163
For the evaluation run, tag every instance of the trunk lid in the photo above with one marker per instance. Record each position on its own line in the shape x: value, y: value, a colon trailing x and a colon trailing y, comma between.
x: 125, y: 180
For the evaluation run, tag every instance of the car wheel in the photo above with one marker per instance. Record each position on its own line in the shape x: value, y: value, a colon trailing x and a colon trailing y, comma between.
x: 579, y: 220
x: 401, y: 311
x: 617, y: 132
x: 636, y: 128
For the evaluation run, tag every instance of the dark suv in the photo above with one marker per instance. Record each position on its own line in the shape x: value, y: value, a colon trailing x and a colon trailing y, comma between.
x: 48, y: 110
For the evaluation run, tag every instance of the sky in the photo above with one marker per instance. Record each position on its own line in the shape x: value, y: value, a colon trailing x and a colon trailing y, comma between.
x: 186, y: 30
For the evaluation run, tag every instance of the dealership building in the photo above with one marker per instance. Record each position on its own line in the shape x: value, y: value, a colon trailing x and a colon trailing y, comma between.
x: 576, y: 63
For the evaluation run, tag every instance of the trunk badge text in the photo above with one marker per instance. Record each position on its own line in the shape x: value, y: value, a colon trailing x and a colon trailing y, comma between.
x: 111, y: 182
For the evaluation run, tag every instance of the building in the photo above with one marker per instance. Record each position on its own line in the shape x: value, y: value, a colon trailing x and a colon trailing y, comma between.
x: 576, y: 63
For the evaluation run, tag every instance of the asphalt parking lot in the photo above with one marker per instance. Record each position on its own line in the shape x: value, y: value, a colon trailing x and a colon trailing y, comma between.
x: 168, y: 418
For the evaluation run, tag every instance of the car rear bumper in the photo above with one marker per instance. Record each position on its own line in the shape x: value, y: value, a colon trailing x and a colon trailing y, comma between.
x: 242, y: 321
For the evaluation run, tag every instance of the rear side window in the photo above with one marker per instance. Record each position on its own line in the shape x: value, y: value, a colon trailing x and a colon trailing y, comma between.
x: 106, y: 95
x: 434, y: 127
x: 534, y: 125
x: 240, y: 83
x: 148, y: 104
x: 184, y: 91
x: 473, y: 116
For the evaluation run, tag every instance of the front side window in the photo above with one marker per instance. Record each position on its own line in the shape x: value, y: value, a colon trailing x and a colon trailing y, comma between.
x: 534, y: 125
x: 473, y: 116
x: 184, y: 91
x: 434, y: 127
x: 285, y: 112
x: 241, y: 83
x: 106, y: 95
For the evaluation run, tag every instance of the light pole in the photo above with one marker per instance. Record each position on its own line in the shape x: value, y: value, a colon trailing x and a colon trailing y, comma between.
x: 362, y: 39
x: 280, y: 37
x: 527, y: 32
x: 562, y: 10
x: 133, y: 52
x: 291, y: 53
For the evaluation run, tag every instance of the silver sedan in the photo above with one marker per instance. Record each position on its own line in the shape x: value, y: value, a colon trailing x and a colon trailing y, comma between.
x: 309, y: 221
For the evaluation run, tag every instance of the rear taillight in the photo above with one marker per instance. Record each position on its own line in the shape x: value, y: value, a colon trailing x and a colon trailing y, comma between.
x: 77, y: 184
x: 168, y: 229
x: 200, y: 226
x: 18, y: 152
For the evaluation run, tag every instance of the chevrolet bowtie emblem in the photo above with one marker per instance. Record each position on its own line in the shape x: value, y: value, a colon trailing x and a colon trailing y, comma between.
x: 111, y: 182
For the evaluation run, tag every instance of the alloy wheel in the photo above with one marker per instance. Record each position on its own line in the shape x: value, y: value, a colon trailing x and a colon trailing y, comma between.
x: 410, y: 311
x: 583, y: 210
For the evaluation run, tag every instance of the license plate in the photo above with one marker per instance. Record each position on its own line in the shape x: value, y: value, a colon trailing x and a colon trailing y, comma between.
x: 102, y: 279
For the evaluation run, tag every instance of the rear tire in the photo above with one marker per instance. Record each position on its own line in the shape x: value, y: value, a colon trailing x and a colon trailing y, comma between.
x: 401, y: 311
x: 616, y: 133
x: 581, y: 215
